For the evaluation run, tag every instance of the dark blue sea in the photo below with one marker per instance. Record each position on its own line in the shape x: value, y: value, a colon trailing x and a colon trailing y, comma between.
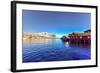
x: 45, y: 50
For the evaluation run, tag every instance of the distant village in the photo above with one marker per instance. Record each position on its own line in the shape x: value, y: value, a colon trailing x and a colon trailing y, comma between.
x: 39, y: 35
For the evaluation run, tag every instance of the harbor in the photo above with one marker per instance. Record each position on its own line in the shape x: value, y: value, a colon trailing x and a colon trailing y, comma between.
x: 43, y: 49
x: 55, y: 36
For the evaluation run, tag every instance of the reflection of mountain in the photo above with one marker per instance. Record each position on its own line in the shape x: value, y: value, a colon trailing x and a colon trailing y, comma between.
x: 41, y: 35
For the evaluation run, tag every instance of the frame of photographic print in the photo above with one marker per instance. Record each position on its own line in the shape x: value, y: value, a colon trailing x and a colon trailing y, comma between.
x: 15, y: 30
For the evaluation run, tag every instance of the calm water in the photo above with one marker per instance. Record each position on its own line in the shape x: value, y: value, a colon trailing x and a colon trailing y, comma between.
x: 53, y: 50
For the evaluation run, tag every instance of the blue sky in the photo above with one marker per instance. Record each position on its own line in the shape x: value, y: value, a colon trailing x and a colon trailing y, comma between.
x: 58, y: 23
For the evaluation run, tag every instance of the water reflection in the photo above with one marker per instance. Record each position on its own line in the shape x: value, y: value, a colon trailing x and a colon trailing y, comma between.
x: 42, y: 50
x: 66, y: 44
x: 37, y: 40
